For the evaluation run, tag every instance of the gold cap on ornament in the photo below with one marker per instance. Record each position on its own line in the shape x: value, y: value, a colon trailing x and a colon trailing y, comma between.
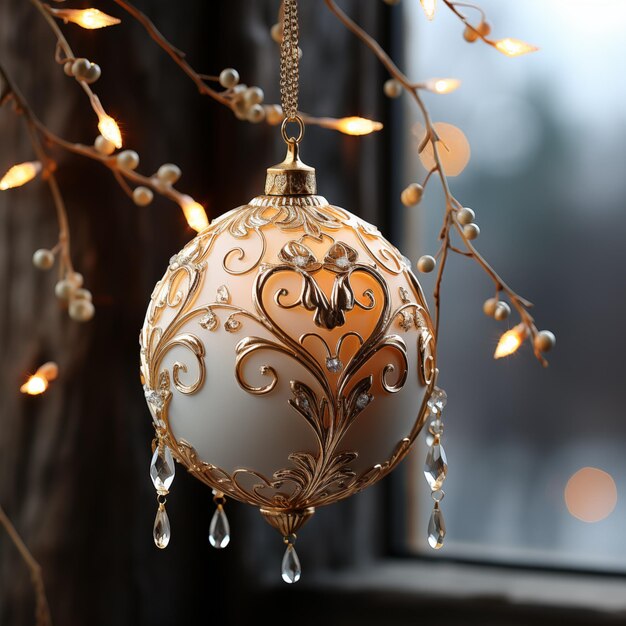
x: 291, y: 177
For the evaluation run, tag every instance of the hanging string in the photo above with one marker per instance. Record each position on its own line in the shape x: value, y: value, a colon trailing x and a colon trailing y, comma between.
x: 289, y: 58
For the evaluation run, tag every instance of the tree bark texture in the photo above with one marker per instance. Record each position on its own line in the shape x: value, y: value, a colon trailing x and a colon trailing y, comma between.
x: 74, y: 461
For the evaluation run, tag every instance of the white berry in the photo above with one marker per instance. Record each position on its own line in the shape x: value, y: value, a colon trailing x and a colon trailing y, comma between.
x: 503, y: 310
x: 82, y: 294
x: 545, y: 341
x: 81, y: 310
x: 43, y: 259
x: 471, y: 231
x: 76, y: 279
x: 169, y: 173
x: 92, y: 74
x: 254, y: 95
x: 229, y: 77
x: 489, y: 306
x: 67, y: 68
x: 128, y: 159
x: 142, y: 196
x: 240, y: 109
x: 64, y: 289
x: 426, y: 263
x: 256, y: 114
x: 104, y: 146
x: 392, y: 88
x: 80, y: 67
x: 412, y: 194
x: 466, y: 216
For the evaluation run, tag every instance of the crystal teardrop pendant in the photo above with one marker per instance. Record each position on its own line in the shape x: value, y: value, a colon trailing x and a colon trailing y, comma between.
x: 219, y: 530
x: 291, y: 570
x: 162, y: 469
x: 436, y: 528
x: 161, y: 531
x: 436, y: 465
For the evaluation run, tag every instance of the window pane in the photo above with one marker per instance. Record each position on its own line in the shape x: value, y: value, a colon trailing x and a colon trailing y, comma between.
x: 547, y: 181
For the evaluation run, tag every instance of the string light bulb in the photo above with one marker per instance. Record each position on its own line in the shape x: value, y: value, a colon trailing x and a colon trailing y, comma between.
x: 443, y: 85
x: 109, y: 129
x: 510, y: 341
x: 20, y: 174
x: 34, y: 385
x: 429, y: 6
x: 194, y: 213
x: 513, y: 47
x: 38, y: 382
x: 86, y: 18
x: 357, y: 125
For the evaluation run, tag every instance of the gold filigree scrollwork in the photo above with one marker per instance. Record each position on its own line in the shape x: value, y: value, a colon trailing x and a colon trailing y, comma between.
x: 310, y: 214
x: 316, y: 477
x: 389, y: 258
x: 194, y: 344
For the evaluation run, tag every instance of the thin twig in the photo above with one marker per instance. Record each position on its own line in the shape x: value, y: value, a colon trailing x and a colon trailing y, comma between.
x: 110, y: 162
x: 174, y: 53
x: 452, y: 204
x: 42, y: 609
x: 227, y: 97
x: 49, y: 166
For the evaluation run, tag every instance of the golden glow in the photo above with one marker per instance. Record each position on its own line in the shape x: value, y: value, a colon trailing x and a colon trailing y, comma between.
x: 510, y: 341
x: 443, y: 85
x: 20, y: 174
x: 590, y: 494
x: 194, y: 213
x: 453, y: 148
x: 34, y: 385
x: 429, y: 6
x: 87, y: 18
x: 49, y: 371
x: 514, y: 47
x: 109, y: 129
x: 357, y: 126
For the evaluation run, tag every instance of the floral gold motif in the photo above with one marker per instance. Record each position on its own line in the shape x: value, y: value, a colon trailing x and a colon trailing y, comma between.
x: 341, y: 392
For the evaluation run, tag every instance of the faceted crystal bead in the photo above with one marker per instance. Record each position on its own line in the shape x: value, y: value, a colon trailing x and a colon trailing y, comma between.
x: 438, y: 399
x: 219, y: 530
x: 162, y: 469
x: 291, y: 570
x: 436, y: 465
x: 161, y: 531
x: 436, y: 528
x: 154, y: 398
x: 363, y: 399
x: 334, y: 364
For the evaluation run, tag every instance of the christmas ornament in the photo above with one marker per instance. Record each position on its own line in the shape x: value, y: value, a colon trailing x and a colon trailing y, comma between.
x: 288, y: 355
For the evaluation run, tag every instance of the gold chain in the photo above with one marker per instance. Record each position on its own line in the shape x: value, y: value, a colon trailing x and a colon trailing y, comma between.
x: 289, y: 57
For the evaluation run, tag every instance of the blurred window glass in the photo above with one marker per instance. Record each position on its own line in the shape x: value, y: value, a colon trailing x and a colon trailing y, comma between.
x: 547, y: 179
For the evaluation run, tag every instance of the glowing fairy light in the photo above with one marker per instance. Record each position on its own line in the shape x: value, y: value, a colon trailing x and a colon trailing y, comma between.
x: 429, y: 6
x: 86, y: 18
x: 513, y: 47
x: 109, y: 129
x: 38, y: 382
x: 194, y: 213
x: 357, y: 126
x: 443, y: 85
x: 510, y: 341
x: 20, y: 174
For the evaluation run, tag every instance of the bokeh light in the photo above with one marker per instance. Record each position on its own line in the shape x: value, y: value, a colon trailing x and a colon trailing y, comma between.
x: 453, y: 147
x: 590, y: 494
